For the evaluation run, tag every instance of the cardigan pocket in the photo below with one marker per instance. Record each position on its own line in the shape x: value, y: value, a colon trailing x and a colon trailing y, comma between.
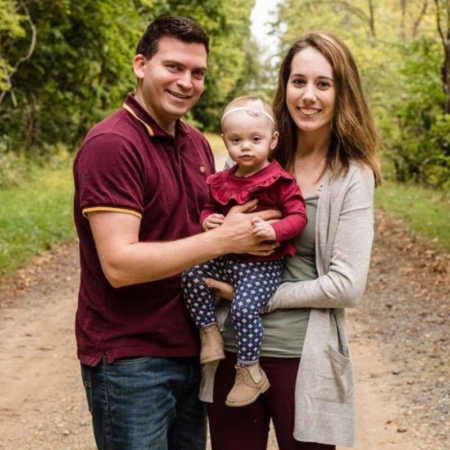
x: 334, y: 378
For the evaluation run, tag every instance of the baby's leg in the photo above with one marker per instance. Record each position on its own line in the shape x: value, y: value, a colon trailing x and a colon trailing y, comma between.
x: 198, y: 297
x: 254, y: 284
x: 200, y: 302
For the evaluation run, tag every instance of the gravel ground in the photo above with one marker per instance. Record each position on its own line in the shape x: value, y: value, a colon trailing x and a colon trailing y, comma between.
x: 406, y: 308
x: 399, y: 338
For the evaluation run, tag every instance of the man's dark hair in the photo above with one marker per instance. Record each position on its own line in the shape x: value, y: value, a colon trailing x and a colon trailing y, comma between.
x: 182, y: 28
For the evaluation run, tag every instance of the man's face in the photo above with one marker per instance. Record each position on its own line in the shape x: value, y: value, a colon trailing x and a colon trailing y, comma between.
x: 171, y: 82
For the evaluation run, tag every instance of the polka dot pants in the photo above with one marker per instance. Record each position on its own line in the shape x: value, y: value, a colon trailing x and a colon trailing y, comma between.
x: 253, y: 282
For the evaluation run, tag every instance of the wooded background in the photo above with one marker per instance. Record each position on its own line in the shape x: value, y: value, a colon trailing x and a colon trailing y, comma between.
x: 65, y: 64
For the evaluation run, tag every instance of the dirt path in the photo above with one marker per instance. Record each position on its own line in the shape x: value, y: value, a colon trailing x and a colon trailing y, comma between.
x: 399, y: 339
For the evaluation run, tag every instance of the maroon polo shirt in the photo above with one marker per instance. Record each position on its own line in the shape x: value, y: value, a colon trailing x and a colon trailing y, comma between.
x: 128, y: 164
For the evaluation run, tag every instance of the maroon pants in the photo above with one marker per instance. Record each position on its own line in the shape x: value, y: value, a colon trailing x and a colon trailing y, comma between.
x: 248, y: 427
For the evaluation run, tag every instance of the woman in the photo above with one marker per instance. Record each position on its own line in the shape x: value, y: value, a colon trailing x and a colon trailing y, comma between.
x: 328, y: 141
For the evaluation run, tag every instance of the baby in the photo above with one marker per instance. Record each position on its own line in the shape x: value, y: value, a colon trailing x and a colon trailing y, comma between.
x: 250, y: 135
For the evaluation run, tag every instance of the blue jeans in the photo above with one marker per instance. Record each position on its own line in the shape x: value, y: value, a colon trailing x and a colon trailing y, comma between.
x: 146, y: 403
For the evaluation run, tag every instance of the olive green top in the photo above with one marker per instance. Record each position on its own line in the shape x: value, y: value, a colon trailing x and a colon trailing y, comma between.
x: 324, y: 388
x: 285, y: 329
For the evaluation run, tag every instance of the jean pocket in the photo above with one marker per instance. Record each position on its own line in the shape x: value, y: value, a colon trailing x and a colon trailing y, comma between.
x: 334, y: 382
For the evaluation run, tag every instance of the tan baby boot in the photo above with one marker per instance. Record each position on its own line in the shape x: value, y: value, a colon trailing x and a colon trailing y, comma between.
x: 250, y: 381
x: 212, y: 344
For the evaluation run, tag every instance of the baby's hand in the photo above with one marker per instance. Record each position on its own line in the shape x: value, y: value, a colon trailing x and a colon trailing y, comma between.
x: 263, y: 229
x: 213, y: 221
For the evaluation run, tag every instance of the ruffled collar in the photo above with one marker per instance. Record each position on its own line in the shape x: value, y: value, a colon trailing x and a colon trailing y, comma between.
x: 225, y: 186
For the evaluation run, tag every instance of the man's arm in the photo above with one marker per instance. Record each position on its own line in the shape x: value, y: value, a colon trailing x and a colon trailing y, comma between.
x: 126, y: 261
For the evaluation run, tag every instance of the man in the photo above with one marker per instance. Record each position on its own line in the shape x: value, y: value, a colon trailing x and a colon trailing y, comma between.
x: 139, y: 189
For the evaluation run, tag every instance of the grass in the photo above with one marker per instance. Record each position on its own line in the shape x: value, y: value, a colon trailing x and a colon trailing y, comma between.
x: 424, y: 211
x: 34, y: 216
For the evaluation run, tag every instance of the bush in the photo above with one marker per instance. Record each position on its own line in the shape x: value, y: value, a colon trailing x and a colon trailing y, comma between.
x: 17, y: 168
x: 79, y: 69
x: 13, y: 167
x: 417, y: 130
x: 34, y: 215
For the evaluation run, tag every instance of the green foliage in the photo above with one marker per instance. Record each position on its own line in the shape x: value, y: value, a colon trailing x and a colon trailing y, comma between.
x: 257, y: 77
x: 13, y: 168
x: 34, y: 216
x: 79, y: 68
x: 10, y: 28
x: 400, y: 57
x: 424, y: 210
x: 228, y: 25
x: 418, y: 134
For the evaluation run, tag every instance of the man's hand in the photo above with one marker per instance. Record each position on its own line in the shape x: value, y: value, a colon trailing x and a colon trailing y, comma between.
x: 263, y: 229
x: 237, y: 231
x: 213, y: 221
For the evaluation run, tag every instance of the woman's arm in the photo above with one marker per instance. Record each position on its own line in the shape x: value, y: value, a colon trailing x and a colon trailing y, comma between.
x: 345, y: 281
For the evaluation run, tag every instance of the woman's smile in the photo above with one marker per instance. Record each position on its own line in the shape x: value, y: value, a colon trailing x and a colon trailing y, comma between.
x: 308, y: 111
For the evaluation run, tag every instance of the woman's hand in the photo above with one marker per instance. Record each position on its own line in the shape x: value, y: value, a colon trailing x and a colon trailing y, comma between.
x: 221, y: 289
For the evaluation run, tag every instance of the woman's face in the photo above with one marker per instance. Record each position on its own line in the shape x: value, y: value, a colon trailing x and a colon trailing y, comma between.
x: 310, y: 92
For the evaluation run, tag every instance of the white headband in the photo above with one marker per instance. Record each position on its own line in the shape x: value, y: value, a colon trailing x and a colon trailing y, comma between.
x: 250, y: 110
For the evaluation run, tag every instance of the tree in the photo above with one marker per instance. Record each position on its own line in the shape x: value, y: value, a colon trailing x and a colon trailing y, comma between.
x: 417, y: 128
x: 443, y: 27
x: 400, y: 68
x: 10, y: 28
x: 228, y: 25
x: 66, y: 63
x: 80, y: 67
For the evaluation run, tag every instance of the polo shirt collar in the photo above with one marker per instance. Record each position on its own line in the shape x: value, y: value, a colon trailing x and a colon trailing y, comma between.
x: 134, y: 108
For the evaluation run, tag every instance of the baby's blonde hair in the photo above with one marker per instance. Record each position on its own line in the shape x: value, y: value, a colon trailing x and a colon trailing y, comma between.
x: 255, y: 105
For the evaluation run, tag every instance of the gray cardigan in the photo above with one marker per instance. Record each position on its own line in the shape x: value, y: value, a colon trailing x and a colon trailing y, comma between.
x: 324, y: 396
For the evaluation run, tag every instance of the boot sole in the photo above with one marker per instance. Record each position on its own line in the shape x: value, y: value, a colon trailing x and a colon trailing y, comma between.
x: 263, y: 389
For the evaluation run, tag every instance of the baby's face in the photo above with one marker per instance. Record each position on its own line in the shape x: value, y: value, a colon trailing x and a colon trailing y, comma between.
x: 249, y: 140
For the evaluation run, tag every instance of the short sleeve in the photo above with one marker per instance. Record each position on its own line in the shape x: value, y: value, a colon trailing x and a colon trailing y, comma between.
x: 109, y: 175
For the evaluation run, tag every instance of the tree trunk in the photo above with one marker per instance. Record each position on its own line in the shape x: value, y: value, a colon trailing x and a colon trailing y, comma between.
x: 443, y: 27
x: 403, y: 20
x: 419, y: 19
x: 372, y: 18
x: 446, y: 72
x: 445, y: 35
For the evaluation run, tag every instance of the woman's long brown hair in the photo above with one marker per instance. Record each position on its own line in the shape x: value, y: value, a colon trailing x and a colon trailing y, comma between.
x: 353, y: 135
